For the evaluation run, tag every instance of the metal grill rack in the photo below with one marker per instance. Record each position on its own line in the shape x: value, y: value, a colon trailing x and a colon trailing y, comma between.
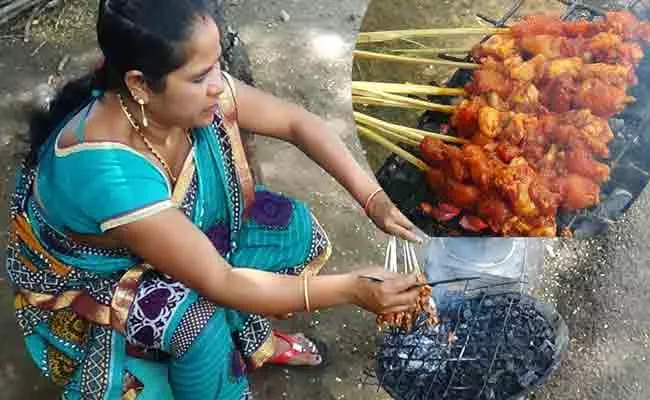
x: 493, y: 342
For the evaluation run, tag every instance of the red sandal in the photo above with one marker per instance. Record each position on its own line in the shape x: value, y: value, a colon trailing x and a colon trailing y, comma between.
x: 296, y: 348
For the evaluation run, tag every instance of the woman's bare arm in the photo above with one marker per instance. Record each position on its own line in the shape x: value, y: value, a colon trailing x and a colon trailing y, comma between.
x: 174, y: 246
x: 267, y: 115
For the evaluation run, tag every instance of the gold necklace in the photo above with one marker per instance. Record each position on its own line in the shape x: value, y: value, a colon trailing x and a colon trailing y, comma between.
x: 153, y: 151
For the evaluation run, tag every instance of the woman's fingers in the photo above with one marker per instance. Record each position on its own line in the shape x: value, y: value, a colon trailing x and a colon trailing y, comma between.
x: 408, y: 298
x: 401, y: 219
x: 402, y: 232
x: 402, y: 283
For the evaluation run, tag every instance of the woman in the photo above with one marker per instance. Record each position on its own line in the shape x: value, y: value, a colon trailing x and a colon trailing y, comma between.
x: 142, y: 254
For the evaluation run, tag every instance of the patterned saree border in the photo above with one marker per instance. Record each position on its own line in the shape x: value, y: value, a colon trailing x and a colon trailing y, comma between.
x: 264, y: 353
x: 316, y: 265
x: 79, y: 301
x: 124, y: 296
x: 183, y: 183
x: 21, y: 229
x: 229, y: 109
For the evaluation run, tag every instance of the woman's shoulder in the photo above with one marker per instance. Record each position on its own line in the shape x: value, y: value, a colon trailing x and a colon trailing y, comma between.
x: 90, y: 146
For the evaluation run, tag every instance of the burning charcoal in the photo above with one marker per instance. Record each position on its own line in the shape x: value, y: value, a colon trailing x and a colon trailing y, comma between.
x: 494, y: 356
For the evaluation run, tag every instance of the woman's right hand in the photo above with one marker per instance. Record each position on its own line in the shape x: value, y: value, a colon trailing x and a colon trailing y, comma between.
x: 395, y: 294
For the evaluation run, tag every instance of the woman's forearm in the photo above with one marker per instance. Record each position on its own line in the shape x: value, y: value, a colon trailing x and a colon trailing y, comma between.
x: 310, y: 134
x: 272, y: 294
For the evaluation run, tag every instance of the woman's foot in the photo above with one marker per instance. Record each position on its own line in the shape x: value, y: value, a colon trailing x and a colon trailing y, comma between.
x: 295, y: 350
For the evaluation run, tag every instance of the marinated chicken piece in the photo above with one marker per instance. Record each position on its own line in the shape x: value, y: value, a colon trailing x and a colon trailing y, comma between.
x: 449, y: 159
x: 514, y: 182
x: 610, y: 48
x: 547, y: 45
x: 527, y: 71
x: 490, y: 80
x: 544, y: 226
x: 435, y: 179
x: 455, y: 166
x: 579, y: 161
x: 518, y: 127
x: 602, y: 99
x: 539, y: 24
x: 479, y: 165
x: 497, y: 46
x: 621, y: 76
x: 525, y: 98
x: 605, y: 47
x: 580, y: 128
x: 460, y: 194
x: 464, y: 120
x: 557, y: 94
x: 494, y: 210
x: 433, y: 151
x: 489, y: 121
x: 627, y: 25
x: 540, y: 226
x: 542, y: 194
x: 507, y: 152
x: 571, y: 66
x: 579, y: 192
x: 622, y: 23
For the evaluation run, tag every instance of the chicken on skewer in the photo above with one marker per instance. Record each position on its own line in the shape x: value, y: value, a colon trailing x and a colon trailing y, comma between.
x: 560, y: 85
x: 622, y: 23
x: 535, y: 117
x: 512, y: 197
x: 606, y: 47
x: 484, y: 124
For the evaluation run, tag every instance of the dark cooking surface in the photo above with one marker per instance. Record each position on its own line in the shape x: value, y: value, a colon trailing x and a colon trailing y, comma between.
x: 629, y: 160
x: 501, y: 347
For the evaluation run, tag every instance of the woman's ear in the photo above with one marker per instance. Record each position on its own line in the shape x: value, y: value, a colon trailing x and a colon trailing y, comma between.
x: 137, y: 86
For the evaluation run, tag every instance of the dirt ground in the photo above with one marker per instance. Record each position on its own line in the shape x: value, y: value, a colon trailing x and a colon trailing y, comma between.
x: 600, y: 286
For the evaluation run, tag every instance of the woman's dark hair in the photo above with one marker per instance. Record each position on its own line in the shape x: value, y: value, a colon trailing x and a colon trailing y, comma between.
x: 143, y: 35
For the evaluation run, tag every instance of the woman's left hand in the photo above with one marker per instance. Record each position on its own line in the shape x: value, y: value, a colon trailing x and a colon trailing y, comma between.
x: 389, y: 219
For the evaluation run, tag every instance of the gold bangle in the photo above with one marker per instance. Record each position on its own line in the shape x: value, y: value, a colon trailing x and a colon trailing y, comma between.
x: 306, y: 292
x: 372, y: 196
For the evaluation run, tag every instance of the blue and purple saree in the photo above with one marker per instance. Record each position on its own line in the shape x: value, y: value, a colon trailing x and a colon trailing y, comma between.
x: 105, y: 325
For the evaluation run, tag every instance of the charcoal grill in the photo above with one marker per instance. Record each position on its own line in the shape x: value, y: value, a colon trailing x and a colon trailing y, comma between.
x: 493, y: 342
x: 629, y: 160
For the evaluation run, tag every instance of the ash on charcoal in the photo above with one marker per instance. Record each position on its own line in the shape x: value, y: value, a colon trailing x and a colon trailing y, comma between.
x: 491, y: 348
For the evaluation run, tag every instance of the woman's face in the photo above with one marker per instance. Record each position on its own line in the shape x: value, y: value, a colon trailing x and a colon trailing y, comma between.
x: 191, y: 92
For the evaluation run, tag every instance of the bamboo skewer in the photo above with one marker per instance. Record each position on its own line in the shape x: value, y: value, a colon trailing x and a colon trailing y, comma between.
x: 394, y: 136
x: 376, y: 123
x: 384, y: 36
x: 407, y: 88
x: 373, y: 101
x: 363, y: 54
x: 411, y: 133
x: 376, y: 138
x: 430, y: 50
x: 406, y: 100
